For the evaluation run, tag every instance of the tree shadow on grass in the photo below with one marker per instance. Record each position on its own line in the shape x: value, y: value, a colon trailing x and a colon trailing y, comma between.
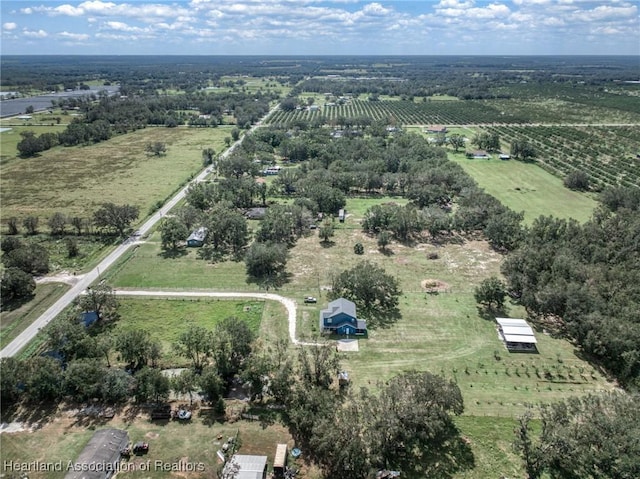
x: 384, y: 319
x: 173, y: 253
x: 490, y: 314
x: 15, y: 303
x: 453, y: 456
x: 29, y: 413
x: 275, y: 281
x: 327, y: 244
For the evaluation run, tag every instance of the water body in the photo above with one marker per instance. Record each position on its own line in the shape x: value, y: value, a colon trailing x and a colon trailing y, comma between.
x: 43, y: 102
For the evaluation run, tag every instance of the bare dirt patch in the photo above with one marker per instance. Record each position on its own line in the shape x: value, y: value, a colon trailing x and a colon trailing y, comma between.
x: 61, y: 277
x: 434, y: 285
x: 347, y: 345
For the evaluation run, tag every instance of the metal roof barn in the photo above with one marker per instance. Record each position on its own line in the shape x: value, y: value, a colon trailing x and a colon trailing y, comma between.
x: 101, y: 456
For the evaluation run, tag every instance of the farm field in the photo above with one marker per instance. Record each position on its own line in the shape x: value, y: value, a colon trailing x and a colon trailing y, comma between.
x: 553, y: 110
x: 77, y: 180
x: 527, y: 187
x: 607, y: 154
x: 406, y: 112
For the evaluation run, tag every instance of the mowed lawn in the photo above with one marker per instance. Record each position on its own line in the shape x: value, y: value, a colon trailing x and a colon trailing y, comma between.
x: 76, y: 180
x: 527, y: 187
x: 146, y: 266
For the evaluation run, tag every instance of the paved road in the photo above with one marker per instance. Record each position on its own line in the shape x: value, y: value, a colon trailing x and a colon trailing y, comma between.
x: 292, y: 312
x: 30, y: 332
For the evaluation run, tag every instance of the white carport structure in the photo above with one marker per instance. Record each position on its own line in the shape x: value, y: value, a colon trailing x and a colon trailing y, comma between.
x: 242, y: 466
x: 516, y: 334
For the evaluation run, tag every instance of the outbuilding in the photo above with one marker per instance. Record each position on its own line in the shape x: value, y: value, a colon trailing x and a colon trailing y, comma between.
x: 242, y: 466
x: 196, y: 239
x: 280, y: 460
x: 516, y: 334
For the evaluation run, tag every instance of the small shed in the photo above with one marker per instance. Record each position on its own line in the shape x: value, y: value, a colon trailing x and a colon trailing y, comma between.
x: 196, y: 239
x: 341, y: 215
x: 280, y: 460
x: 100, y: 458
x: 242, y: 466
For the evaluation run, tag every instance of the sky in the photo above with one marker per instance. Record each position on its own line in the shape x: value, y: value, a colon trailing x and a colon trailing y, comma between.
x: 314, y: 27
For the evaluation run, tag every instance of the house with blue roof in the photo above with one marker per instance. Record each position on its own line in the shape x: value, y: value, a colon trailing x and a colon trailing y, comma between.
x: 340, y: 318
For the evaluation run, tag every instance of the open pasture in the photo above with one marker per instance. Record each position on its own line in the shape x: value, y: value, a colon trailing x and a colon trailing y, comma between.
x: 527, y: 187
x: 76, y: 180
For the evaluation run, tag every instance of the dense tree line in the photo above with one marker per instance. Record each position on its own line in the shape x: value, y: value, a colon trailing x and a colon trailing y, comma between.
x: 590, y: 437
x: 588, y: 277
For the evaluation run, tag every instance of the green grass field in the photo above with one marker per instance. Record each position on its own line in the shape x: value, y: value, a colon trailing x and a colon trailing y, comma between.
x: 76, y: 180
x: 166, y: 319
x: 145, y: 266
x: 9, y: 139
x: 527, y: 187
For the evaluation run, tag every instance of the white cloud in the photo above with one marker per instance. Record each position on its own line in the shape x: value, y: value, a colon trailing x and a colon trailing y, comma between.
x: 122, y: 27
x: 68, y: 10
x: 376, y: 9
x: 553, y: 22
x: 79, y: 37
x: 148, y: 11
x: 457, y: 4
x: 34, y: 33
x: 26, y: 11
x: 9, y: 26
x: 607, y: 12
